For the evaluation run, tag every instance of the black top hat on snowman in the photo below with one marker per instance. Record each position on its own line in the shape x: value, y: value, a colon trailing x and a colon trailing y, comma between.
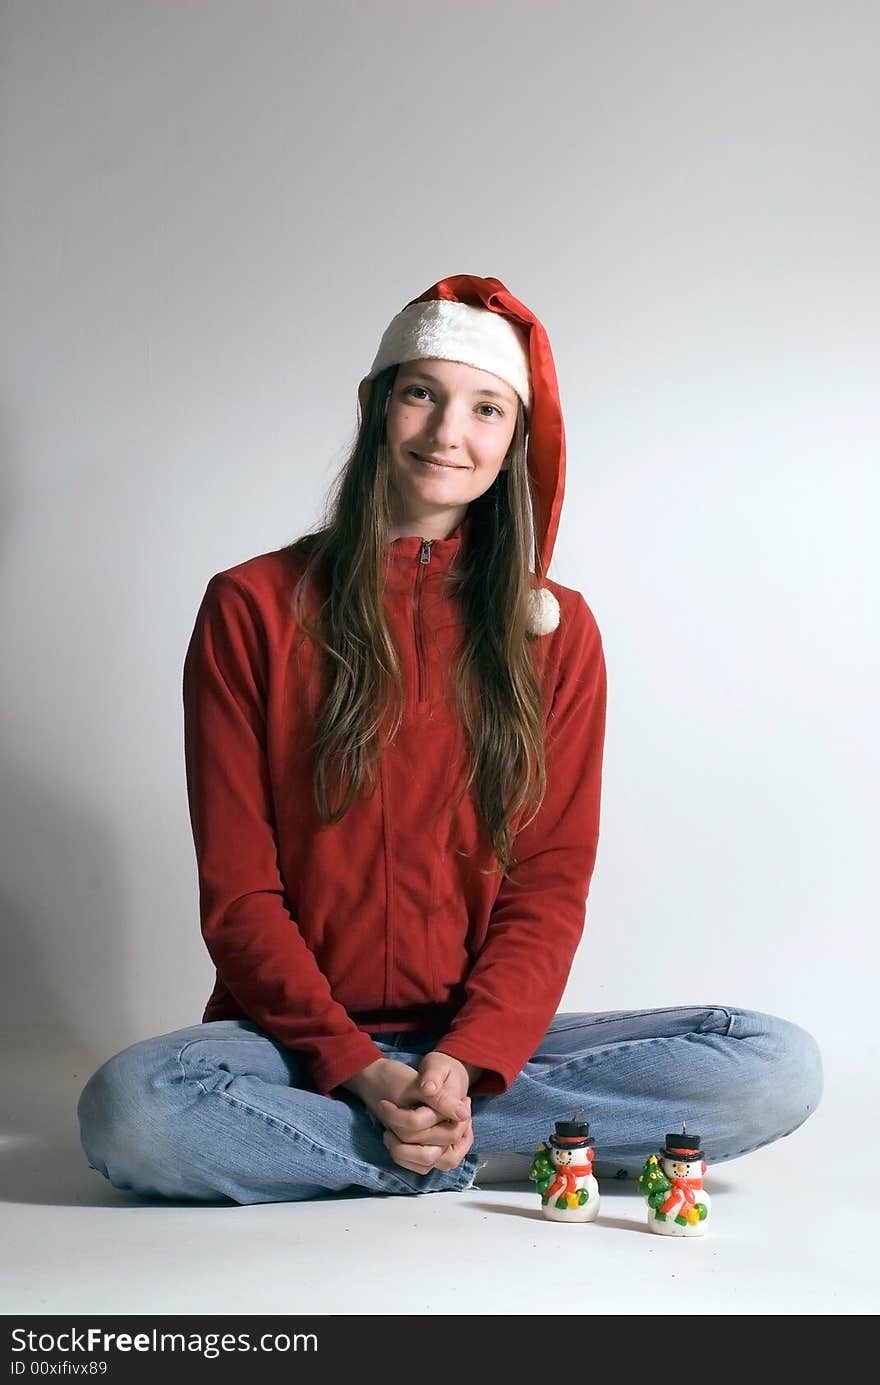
x: 570, y: 1135
x: 682, y: 1147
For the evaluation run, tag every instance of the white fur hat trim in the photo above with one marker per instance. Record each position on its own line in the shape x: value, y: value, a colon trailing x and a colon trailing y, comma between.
x: 450, y: 331
x: 543, y: 615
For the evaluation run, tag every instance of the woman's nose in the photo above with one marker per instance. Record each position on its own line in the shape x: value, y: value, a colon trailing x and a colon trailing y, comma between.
x: 447, y: 424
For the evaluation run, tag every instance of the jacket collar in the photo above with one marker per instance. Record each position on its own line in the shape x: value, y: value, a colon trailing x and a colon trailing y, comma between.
x: 404, y: 552
x: 402, y: 568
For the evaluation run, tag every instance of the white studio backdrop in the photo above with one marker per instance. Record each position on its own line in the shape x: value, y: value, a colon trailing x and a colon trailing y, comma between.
x: 211, y: 212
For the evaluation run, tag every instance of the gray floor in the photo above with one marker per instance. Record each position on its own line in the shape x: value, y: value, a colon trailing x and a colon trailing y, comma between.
x: 794, y: 1231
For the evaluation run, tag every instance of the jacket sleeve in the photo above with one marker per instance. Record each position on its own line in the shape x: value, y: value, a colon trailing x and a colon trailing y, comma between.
x: 255, y: 944
x: 516, y: 983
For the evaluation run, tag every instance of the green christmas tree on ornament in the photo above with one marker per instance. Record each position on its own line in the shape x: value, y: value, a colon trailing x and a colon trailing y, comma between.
x: 653, y: 1182
x: 542, y: 1170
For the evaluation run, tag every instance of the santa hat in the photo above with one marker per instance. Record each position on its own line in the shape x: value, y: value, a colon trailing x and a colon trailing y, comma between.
x: 478, y: 322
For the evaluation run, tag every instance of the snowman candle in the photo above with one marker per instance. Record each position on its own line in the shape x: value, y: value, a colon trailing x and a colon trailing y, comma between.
x: 672, y: 1182
x: 562, y: 1169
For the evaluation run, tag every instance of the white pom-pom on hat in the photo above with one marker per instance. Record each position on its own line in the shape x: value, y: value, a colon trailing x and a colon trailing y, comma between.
x: 543, y: 617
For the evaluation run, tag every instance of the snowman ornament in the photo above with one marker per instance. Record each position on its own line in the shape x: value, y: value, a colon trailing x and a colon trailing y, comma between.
x: 562, y: 1169
x: 672, y: 1182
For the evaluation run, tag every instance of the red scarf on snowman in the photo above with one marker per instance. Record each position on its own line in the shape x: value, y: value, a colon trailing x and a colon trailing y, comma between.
x: 567, y: 1176
x: 683, y: 1193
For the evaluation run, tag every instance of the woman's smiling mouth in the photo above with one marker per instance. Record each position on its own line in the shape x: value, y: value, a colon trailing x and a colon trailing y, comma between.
x: 436, y: 466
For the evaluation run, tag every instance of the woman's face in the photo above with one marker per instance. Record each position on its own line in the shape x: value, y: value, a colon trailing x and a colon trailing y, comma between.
x: 461, y: 417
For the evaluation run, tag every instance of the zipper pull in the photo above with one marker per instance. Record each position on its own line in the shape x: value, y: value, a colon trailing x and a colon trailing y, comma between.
x: 425, y: 551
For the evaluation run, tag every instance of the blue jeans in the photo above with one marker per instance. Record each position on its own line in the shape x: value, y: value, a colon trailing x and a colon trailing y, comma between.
x: 221, y: 1112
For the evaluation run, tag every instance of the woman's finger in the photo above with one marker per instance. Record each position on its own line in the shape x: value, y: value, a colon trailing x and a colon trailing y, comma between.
x: 416, y: 1158
x: 421, y: 1127
x: 452, y: 1157
x: 424, y: 1158
x: 447, y: 1106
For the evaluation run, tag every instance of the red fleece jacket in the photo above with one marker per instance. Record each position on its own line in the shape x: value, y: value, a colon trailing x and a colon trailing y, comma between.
x: 323, y: 935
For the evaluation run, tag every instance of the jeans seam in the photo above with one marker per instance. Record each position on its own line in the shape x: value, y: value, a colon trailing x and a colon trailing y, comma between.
x: 667, y: 1010
x: 597, y: 1020
x: 587, y: 1059
x: 382, y: 1176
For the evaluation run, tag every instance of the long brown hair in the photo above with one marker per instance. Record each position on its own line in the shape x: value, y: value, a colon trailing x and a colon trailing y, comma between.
x: 497, y: 690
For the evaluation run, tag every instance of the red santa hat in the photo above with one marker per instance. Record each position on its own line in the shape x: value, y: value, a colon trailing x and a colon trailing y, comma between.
x: 480, y: 323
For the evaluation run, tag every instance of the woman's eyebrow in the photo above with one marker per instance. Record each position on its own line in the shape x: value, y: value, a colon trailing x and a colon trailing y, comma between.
x: 426, y: 375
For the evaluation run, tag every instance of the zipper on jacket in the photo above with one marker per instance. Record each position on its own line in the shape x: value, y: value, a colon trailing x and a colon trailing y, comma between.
x: 424, y: 559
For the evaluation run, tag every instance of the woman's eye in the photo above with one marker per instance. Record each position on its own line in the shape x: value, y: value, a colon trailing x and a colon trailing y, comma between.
x: 409, y: 388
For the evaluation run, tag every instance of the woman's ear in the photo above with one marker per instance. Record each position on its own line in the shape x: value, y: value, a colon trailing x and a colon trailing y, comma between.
x: 364, y: 392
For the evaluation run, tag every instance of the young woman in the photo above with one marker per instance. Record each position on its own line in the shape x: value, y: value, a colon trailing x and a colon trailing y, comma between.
x: 394, y: 732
